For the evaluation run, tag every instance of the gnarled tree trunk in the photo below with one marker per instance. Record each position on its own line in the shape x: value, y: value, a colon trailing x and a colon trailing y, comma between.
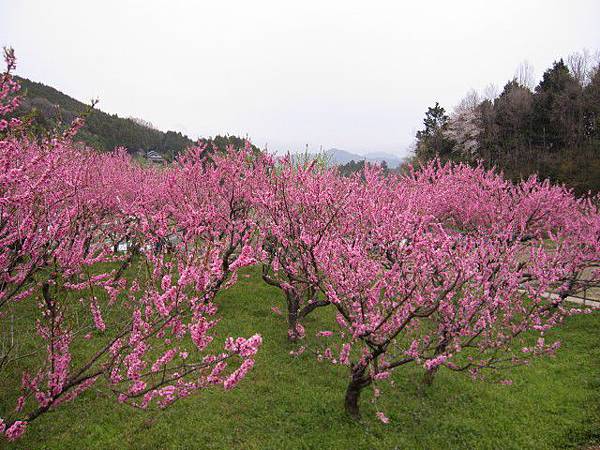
x: 429, y: 376
x: 293, y: 305
x: 360, y: 379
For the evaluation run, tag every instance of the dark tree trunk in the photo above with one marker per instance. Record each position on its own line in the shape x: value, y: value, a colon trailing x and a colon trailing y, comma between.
x: 311, y: 307
x: 429, y: 376
x: 360, y: 380
x: 296, y: 314
x: 292, y: 306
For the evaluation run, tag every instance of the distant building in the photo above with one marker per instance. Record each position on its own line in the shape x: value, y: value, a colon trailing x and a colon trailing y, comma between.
x: 154, y: 157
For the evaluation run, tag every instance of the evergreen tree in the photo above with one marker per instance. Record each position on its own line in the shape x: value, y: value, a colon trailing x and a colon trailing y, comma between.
x: 431, y: 141
x: 591, y: 100
x: 557, y: 108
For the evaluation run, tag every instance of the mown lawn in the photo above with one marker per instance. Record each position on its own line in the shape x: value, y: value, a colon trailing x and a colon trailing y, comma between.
x: 289, y: 403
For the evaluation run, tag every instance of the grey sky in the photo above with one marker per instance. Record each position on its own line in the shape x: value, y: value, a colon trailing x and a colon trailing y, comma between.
x: 352, y: 75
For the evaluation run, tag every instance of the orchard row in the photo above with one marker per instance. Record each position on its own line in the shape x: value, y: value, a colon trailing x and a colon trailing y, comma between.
x: 448, y: 266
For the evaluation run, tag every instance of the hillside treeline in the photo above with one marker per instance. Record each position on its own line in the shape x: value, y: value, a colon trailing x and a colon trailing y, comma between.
x: 552, y: 128
x: 49, y: 108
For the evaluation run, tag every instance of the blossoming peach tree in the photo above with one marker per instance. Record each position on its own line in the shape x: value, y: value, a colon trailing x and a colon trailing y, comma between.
x: 299, y: 206
x: 462, y: 287
x: 142, y: 317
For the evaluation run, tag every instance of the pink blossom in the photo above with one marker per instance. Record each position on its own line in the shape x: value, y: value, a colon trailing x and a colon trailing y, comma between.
x: 16, y: 430
x: 298, y: 352
x: 324, y: 333
x: 164, y: 359
x: 382, y: 375
x: 435, y: 362
x: 345, y: 354
x: 238, y: 374
x: 20, y: 404
x: 382, y: 417
x: 96, y: 314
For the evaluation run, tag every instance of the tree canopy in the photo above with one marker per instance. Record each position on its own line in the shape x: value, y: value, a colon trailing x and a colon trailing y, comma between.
x: 552, y: 130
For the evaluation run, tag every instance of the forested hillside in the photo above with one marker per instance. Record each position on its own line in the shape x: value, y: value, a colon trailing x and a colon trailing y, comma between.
x: 552, y: 128
x: 103, y: 131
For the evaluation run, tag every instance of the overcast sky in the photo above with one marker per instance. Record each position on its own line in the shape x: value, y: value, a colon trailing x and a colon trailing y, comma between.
x: 345, y: 74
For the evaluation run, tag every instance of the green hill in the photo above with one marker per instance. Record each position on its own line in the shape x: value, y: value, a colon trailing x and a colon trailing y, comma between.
x: 50, y: 107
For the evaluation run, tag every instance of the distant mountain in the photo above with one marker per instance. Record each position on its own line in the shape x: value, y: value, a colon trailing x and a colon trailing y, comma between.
x: 340, y: 157
x: 49, y: 107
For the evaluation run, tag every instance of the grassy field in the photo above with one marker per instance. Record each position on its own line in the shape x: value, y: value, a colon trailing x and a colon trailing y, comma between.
x: 289, y: 403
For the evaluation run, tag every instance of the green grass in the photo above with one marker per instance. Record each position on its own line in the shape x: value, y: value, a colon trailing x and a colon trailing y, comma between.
x: 289, y: 403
